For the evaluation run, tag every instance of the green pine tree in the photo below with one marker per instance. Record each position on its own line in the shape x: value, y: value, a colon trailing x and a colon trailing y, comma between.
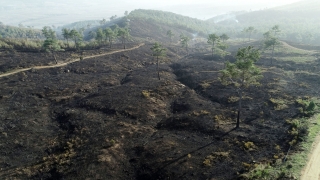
x: 158, y: 51
x: 242, y: 74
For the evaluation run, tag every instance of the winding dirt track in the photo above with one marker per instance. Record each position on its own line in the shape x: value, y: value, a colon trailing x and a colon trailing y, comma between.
x: 66, y: 63
x: 312, y: 170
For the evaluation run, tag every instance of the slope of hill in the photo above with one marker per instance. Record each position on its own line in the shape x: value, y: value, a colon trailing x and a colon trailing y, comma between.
x: 109, y: 117
x: 80, y: 24
x: 183, y: 22
x: 18, y: 32
x: 298, y: 21
x: 154, y: 24
x: 305, y: 5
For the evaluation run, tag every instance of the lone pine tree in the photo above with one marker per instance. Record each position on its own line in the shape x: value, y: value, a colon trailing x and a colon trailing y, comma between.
x: 158, y: 51
x: 242, y: 74
x: 213, y: 39
x: 185, y: 42
x: 51, y: 43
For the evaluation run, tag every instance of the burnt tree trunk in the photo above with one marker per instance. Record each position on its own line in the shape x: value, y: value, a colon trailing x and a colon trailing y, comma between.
x: 158, y: 67
x: 212, y: 51
x: 239, y: 110
x: 272, y: 54
x: 187, y: 50
x: 54, y: 56
x: 124, y: 43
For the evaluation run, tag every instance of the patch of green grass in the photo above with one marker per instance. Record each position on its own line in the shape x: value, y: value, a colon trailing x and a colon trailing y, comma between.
x: 279, y: 104
x: 286, y: 52
x: 300, y: 159
x: 294, y: 164
x: 292, y: 50
x: 300, y: 59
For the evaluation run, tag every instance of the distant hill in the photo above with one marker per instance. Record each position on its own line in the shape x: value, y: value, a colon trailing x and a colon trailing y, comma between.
x: 299, y: 21
x: 305, y: 5
x: 183, y: 22
x: 224, y: 17
x: 80, y: 24
x: 18, y: 32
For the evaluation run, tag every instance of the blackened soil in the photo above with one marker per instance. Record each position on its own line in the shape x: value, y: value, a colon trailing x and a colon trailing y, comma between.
x: 111, y: 118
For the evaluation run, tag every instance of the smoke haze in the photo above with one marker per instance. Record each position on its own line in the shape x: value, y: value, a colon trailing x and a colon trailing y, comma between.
x: 39, y: 13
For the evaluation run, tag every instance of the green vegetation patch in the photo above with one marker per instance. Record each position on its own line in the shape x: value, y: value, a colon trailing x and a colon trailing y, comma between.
x: 298, y: 160
x: 286, y: 52
x: 292, y: 165
x: 280, y: 104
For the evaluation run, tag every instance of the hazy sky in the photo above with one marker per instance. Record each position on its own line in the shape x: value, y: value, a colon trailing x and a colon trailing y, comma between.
x: 224, y: 2
x: 204, y: 9
x: 58, y: 12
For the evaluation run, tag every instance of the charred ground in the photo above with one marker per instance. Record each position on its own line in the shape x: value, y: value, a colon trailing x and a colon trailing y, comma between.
x: 111, y: 118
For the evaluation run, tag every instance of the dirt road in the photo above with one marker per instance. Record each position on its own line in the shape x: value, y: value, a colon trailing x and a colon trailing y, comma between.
x: 312, y: 170
x: 66, y: 63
